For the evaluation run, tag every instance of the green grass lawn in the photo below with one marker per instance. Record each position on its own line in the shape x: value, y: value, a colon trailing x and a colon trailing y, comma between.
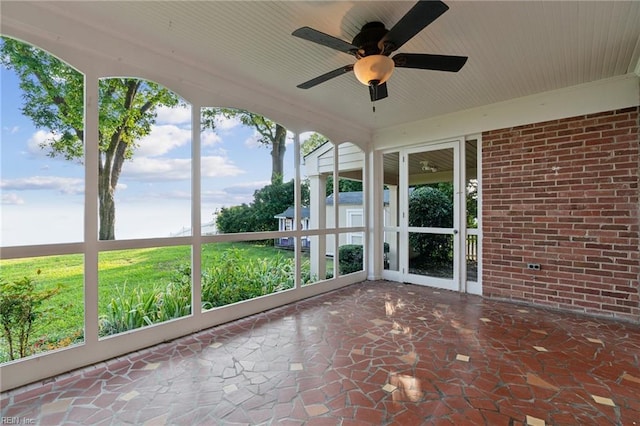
x: 145, y: 269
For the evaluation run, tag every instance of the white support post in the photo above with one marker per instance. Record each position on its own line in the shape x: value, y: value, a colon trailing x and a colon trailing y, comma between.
x: 318, y: 220
x: 196, y: 214
x: 91, y: 153
x: 297, y: 215
x: 375, y: 217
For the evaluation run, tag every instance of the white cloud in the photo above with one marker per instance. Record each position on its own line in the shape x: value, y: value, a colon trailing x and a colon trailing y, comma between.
x: 253, y: 141
x: 173, y: 115
x: 171, y: 169
x: 157, y: 169
x: 215, y: 166
x: 62, y: 184
x: 12, y: 199
x: 11, y: 130
x: 226, y: 124
x: 162, y: 139
x: 209, y: 138
x: 39, y: 142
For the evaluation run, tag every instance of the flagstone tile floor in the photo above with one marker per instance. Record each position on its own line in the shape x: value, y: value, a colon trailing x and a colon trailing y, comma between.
x: 372, y: 353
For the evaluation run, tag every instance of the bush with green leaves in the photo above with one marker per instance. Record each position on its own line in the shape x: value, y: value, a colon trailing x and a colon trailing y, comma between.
x: 129, y: 310
x: 431, y: 207
x: 20, y: 309
x: 351, y: 257
x: 233, y: 278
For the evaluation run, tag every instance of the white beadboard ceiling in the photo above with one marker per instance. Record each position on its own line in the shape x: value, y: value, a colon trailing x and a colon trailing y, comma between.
x: 515, y: 49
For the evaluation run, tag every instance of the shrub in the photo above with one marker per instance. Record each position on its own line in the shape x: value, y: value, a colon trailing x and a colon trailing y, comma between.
x: 235, y: 278
x: 350, y: 258
x: 127, y: 311
x: 139, y: 308
x: 20, y: 309
x: 231, y: 279
x: 430, y: 207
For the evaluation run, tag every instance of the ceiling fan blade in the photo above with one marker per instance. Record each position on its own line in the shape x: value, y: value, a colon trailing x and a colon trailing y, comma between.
x: 324, y: 77
x: 415, y: 20
x: 378, y: 92
x: 426, y: 61
x: 316, y: 36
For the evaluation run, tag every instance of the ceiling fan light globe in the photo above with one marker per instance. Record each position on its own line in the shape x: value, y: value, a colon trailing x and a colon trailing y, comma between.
x: 373, y: 68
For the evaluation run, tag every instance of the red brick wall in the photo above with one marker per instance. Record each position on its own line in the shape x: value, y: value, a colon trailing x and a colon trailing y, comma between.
x: 564, y: 194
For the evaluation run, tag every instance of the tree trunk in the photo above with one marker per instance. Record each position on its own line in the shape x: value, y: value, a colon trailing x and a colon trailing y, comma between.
x: 106, y: 192
x: 7, y: 333
x: 107, y: 213
x: 110, y: 166
x: 277, y: 155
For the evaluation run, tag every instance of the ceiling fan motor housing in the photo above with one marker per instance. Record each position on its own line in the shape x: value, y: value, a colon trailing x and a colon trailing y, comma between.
x: 368, y: 39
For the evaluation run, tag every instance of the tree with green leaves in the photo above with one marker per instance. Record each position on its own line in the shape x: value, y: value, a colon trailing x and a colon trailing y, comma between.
x: 259, y: 215
x: 272, y: 134
x: 314, y: 141
x: 236, y: 219
x: 54, y: 100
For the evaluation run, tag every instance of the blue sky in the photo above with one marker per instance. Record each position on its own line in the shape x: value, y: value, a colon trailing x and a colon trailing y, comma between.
x: 42, y: 197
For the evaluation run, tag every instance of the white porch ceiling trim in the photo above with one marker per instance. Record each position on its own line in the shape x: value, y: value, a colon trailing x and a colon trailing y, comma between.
x: 604, y: 95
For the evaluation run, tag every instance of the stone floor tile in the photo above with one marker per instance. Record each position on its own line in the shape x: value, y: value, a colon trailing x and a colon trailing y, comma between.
x: 389, y: 388
x: 534, y: 421
x: 58, y: 406
x: 406, y: 355
x: 535, y: 380
x: 603, y: 400
x: 129, y: 395
x: 316, y: 409
x: 157, y: 421
x: 629, y: 377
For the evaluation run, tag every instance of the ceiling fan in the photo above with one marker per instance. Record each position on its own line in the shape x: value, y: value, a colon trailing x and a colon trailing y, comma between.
x: 373, y: 45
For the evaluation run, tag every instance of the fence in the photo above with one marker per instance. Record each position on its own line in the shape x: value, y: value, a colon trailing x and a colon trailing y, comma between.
x: 472, y: 248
